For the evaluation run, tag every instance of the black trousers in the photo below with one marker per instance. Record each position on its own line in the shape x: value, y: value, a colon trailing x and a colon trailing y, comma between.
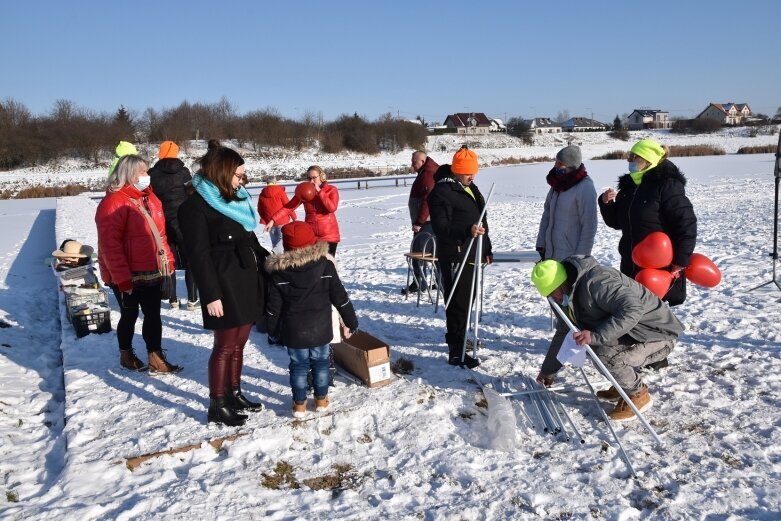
x: 189, y: 280
x: 456, y: 312
x: 147, y: 298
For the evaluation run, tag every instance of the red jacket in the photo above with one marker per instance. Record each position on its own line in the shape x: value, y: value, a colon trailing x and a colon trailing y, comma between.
x: 272, y: 198
x: 320, y: 213
x: 125, y: 241
x: 418, y: 194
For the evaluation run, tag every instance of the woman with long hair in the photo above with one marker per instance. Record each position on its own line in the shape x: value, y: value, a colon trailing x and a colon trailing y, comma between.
x: 218, y: 224
x: 135, y: 260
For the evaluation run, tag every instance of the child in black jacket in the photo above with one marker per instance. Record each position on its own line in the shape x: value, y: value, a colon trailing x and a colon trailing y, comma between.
x: 304, y: 285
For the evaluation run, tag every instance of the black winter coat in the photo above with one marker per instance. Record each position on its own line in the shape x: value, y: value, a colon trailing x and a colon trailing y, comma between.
x: 453, y: 212
x: 227, y: 262
x: 303, y: 286
x: 168, y: 179
x: 659, y: 203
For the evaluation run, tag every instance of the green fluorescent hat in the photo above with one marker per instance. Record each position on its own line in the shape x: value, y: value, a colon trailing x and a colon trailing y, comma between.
x: 649, y: 150
x: 548, y: 275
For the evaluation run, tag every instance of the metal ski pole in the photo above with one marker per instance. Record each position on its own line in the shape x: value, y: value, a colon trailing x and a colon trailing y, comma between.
x: 609, y: 425
x: 466, y: 253
x: 595, y: 359
x: 468, y: 315
x: 478, y: 284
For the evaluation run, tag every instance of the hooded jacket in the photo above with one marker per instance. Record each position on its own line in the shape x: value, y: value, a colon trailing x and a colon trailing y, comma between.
x: 272, y: 199
x: 453, y: 212
x: 615, y: 308
x: 418, y: 194
x: 303, y: 287
x: 658, y: 204
x: 169, y: 182
x: 569, y: 221
x: 227, y: 262
x: 126, y: 244
x: 320, y: 213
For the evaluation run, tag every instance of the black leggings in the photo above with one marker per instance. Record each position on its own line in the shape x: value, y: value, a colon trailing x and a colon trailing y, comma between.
x: 189, y: 280
x: 148, y: 299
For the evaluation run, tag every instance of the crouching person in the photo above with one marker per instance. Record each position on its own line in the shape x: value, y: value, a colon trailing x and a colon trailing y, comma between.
x: 625, y: 324
x: 304, y: 285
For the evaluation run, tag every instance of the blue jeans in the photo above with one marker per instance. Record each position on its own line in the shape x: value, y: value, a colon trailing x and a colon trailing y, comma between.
x: 301, y: 360
x: 275, y: 234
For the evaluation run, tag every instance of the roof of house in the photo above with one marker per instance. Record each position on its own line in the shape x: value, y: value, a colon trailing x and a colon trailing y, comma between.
x: 582, y: 122
x: 461, y: 119
x: 725, y: 107
x: 543, y: 122
x: 649, y: 112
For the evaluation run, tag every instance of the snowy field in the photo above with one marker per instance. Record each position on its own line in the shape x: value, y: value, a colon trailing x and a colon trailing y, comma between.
x: 418, y: 448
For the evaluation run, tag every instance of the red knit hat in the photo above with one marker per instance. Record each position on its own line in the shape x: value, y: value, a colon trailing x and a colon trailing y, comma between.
x: 297, y: 234
x: 168, y: 149
x: 464, y: 162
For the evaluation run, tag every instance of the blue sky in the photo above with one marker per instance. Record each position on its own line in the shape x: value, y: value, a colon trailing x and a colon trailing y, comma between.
x: 429, y: 58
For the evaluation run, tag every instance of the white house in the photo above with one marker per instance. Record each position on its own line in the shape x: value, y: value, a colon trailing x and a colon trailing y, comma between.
x: 641, y: 119
x: 468, y: 123
x: 582, y: 125
x: 544, y: 126
x: 726, y: 113
x: 497, y: 125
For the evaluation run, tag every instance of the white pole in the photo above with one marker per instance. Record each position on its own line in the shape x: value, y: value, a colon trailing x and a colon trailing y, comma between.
x: 601, y: 367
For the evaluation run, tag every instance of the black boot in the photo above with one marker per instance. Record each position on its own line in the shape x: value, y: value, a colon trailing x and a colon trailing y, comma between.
x: 220, y: 412
x: 661, y: 364
x: 241, y: 402
x: 454, y: 357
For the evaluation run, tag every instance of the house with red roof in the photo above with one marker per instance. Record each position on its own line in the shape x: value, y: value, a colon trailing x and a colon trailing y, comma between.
x: 726, y: 113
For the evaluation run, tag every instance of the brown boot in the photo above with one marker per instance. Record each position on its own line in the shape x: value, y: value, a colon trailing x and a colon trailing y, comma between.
x: 129, y: 360
x: 299, y: 409
x: 641, y: 399
x: 321, y: 404
x: 158, y: 363
x: 610, y: 395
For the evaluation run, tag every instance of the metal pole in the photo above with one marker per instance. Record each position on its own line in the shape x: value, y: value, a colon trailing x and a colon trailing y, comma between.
x: 603, y: 369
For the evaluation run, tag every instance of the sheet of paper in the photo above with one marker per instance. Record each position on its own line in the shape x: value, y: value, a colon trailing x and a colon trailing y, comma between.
x: 571, y: 352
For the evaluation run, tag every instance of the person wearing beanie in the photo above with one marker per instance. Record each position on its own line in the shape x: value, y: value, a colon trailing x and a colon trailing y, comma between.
x: 419, y: 213
x: 626, y: 325
x: 569, y: 217
x: 170, y: 182
x: 123, y: 149
x: 652, y: 198
x: 303, y: 288
x: 272, y: 199
x: 455, y: 204
x: 218, y: 226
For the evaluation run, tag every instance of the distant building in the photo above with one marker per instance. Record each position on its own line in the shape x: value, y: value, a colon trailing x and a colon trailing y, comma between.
x: 544, y: 126
x: 641, y: 119
x: 468, y: 123
x: 726, y: 113
x: 497, y: 125
x: 582, y: 125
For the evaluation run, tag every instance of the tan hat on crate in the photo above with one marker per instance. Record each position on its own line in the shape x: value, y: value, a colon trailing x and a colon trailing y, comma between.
x: 71, y: 249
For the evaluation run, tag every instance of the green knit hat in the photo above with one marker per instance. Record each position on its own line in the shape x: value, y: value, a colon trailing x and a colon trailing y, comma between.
x: 548, y: 275
x: 649, y: 150
x: 123, y: 149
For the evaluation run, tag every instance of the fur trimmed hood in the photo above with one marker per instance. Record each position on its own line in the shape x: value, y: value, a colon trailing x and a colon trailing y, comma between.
x: 666, y: 170
x: 298, y: 258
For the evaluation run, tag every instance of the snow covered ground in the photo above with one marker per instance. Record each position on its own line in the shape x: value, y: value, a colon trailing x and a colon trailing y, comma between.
x: 418, y: 448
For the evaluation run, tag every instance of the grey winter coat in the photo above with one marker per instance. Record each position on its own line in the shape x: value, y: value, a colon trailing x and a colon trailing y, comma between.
x: 616, y: 309
x: 569, y: 221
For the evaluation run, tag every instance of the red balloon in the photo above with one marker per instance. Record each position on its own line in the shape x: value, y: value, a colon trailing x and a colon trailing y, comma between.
x: 306, y: 191
x: 702, y: 271
x: 655, y: 251
x: 657, y: 281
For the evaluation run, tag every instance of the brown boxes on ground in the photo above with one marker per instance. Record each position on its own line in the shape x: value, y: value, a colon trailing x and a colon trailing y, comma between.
x: 365, y: 357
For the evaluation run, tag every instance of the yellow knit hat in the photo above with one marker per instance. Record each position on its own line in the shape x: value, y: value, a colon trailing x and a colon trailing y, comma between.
x: 649, y: 150
x: 548, y: 275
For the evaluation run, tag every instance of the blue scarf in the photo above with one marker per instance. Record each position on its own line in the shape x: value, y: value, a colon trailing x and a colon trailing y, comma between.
x: 240, y: 211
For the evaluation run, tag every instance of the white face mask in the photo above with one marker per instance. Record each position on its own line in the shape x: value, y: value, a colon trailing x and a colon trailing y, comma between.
x: 142, y: 183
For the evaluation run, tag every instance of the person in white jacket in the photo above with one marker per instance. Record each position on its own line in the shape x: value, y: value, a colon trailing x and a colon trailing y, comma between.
x: 569, y: 219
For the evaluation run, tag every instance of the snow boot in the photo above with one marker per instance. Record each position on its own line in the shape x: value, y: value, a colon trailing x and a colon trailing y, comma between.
x: 241, y: 402
x: 174, y: 303
x: 412, y: 288
x: 192, y: 305
x: 610, y: 395
x: 220, y: 412
x: 129, y: 360
x: 321, y: 404
x: 158, y: 363
x: 299, y: 409
x: 641, y: 399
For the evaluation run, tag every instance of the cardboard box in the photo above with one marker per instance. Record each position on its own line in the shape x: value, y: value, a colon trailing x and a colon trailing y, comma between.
x: 365, y: 357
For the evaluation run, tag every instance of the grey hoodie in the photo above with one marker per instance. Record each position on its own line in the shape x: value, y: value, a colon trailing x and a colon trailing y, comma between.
x: 616, y: 309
